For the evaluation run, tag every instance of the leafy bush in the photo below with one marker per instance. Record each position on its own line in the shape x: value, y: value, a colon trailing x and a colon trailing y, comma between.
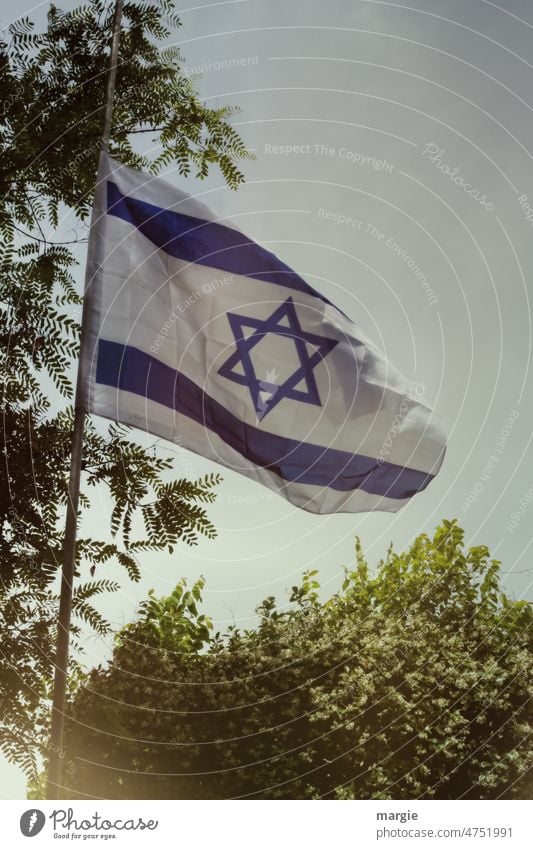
x: 410, y: 683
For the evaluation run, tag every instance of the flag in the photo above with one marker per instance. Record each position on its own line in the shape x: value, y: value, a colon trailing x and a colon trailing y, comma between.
x: 198, y: 334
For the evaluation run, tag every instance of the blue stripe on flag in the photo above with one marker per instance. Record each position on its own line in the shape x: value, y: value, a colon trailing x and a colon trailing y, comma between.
x: 205, y: 242
x: 132, y: 370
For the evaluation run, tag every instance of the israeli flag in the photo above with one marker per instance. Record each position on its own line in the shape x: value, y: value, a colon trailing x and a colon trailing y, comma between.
x: 197, y: 334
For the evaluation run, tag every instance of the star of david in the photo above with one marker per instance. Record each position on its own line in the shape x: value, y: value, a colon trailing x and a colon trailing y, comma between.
x: 310, y: 350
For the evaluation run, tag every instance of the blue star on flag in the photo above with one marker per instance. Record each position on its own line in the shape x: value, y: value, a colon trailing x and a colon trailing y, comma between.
x: 304, y: 373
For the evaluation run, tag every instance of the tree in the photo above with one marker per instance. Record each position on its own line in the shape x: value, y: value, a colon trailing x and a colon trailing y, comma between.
x: 410, y: 683
x: 53, y: 95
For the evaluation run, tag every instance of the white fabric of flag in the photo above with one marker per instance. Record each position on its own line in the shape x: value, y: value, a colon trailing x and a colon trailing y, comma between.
x: 197, y: 334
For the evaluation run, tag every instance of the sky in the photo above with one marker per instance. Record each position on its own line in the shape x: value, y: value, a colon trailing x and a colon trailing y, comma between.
x: 394, y: 172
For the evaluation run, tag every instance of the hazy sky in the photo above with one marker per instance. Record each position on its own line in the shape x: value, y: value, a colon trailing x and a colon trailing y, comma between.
x: 414, y: 120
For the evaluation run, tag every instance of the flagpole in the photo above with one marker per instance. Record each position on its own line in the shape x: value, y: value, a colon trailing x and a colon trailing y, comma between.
x: 69, y: 546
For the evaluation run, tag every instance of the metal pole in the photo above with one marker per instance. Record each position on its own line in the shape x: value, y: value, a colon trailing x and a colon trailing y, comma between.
x: 69, y: 546
x: 112, y: 75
